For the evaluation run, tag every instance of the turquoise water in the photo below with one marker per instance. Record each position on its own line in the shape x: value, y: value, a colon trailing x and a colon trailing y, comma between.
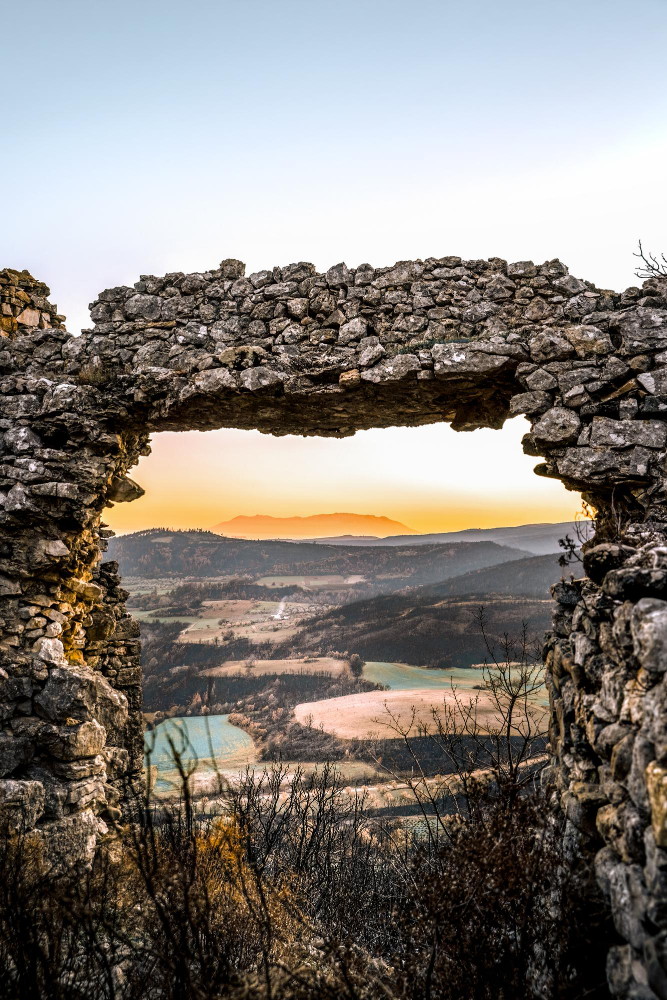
x: 197, y: 740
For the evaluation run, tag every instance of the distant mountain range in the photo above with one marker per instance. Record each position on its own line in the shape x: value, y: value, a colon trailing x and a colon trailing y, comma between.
x: 352, y: 525
x: 539, y: 539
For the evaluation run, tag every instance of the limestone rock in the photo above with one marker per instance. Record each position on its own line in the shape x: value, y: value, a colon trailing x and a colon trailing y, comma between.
x: 72, y: 693
x: 656, y: 783
x: 588, y: 340
x: 393, y: 369
x: 585, y: 463
x: 557, y: 426
x: 354, y: 330
x: 371, y: 354
x: 649, y: 634
x: 21, y: 805
x: 600, y: 559
x: 654, y: 382
x: 348, y: 380
x: 50, y: 650
x: 74, y: 740
x: 14, y: 752
x: 9, y: 588
x: 462, y: 359
x: 549, y: 346
x: 124, y: 490
x: 70, y: 841
x: 256, y: 379
x: 530, y: 402
x: 626, y: 433
x: 148, y: 307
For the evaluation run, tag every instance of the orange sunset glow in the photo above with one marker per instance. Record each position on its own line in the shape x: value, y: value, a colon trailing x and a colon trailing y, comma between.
x: 429, y: 478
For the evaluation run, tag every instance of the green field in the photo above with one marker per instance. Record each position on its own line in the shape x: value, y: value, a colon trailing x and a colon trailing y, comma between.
x: 307, y: 582
x: 155, y: 616
x: 402, y: 677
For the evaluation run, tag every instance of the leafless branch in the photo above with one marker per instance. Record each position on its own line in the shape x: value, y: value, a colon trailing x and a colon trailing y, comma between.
x: 651, y: 266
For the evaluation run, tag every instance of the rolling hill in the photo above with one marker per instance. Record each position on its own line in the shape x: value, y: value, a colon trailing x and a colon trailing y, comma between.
x: 538, y: 539
x: 532, y: 577
x: 421, y: 627
x: 435, y: 624
x: 158, y: 553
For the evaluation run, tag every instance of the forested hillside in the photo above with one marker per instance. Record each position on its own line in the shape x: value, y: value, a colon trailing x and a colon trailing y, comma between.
x: 524, y: 578
x: 421, y: 627
x: 535, y: 539
x: 160, y: 553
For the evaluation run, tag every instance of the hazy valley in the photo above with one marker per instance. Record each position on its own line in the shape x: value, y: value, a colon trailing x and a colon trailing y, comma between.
x: 264, y: 638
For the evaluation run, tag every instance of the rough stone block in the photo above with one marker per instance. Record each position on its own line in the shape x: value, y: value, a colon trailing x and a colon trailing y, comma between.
x: 649, y: 633
x: 656, y: 785
x: 21, y: 805
x: 557, y: 426
x: 82, y: 695
x: 462, y: 359
x: 626, y: 433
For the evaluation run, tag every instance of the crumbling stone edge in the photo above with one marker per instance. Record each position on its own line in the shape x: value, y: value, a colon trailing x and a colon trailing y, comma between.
x: 289, y: 350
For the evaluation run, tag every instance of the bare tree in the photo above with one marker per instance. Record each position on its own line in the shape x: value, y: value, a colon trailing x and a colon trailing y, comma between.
x: 492, y: 747
x: 585, y: 520
x: 651, y: 266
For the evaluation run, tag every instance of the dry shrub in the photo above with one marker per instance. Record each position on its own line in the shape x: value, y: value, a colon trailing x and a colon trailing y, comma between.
x: 501, y: 914
x: 296, y: 890
x: 301, y: 896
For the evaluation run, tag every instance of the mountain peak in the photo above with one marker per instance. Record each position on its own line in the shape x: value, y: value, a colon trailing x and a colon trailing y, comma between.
x: 313, y: 526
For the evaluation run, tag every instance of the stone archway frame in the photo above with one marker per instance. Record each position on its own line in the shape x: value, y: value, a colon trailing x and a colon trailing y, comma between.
x: 293, y: 351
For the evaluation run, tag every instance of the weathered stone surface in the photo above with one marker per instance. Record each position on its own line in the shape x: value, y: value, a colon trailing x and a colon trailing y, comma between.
x: 549, y: 345
x: 656, y: 784
x: 585, y: 464
x: 588, y: 340
x: 21, y: 805
x: 72, y: 741
x: 291, y: 351
x: 601, y: 559
x: 14, y: 752
x: 626, y: 433
x: 71, y: 840
x: 462, y: 359
x: 557, y: 426
x: 123, y: 490
x: 649, y: 634
x: 72, y: 693
x: 50, y: 650
x: 261, y: 378
x: 530, y: 403
x: 403, y: 366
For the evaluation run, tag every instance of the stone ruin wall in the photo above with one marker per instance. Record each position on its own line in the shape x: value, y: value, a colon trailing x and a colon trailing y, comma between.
x: 294, y: 351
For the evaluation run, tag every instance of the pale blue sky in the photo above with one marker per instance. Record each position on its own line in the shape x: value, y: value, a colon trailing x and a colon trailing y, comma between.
x: 151, y: 136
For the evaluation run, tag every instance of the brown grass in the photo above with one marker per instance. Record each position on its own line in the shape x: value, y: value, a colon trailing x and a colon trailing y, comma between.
x: 318, y: 665
x: 360, y: 716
